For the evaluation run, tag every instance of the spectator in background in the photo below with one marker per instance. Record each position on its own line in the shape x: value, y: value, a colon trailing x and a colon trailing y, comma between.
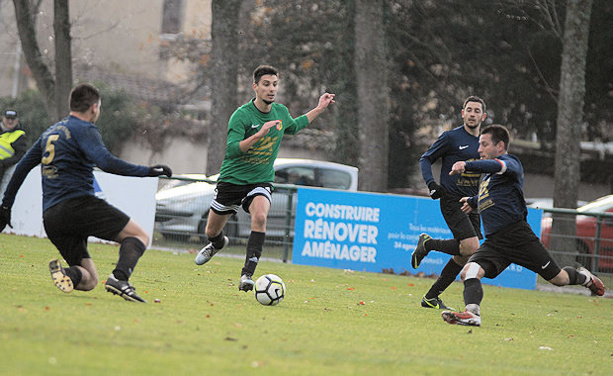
x: 13, y: 145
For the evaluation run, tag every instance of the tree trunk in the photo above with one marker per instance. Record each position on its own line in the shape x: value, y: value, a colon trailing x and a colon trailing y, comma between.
x: 373, y: 92
x: 63, y: 57
x: 225, y: 70
x: 347, y: 137
x: 569, y: 124
x: 33, y: 56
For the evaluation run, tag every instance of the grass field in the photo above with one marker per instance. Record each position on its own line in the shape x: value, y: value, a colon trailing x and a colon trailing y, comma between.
x: 332, y: 322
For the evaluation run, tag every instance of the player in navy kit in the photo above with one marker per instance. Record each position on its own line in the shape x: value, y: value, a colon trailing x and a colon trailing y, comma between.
x: 509, y: 238
x: 459, y: 144
x: 67, y: 153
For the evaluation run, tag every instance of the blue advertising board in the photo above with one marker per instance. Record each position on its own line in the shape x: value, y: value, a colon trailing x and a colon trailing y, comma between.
x: 376, y: 232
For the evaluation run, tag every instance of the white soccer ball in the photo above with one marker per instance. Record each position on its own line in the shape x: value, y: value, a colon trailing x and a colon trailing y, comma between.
x: 269, y: 289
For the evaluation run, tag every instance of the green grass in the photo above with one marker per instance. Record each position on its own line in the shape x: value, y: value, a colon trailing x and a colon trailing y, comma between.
x: 331, y: 322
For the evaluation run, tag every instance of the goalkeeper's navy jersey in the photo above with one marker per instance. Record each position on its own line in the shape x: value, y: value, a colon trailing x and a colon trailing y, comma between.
x: 453, y: 146
x: 68, y: 152
x: 501, y: 198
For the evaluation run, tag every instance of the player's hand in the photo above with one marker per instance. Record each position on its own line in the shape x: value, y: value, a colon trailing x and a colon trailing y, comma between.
x: 268, y: 125
x: 458, y: 168
x: 466, y: 208
x: 159, y: 170
x: 5, y: 217
x: 325, y: 100
x: 436, y: 191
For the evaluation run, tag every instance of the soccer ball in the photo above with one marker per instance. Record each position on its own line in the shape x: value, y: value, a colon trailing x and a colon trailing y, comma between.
x: 269, y: 289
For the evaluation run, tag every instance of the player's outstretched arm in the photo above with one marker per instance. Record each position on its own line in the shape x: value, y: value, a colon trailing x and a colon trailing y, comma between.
x: 324, y: 101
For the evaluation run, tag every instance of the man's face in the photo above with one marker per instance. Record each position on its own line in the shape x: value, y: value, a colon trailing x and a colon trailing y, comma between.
x: 473, y: 114
x: 266, y: 89
x: 9, y: 122
x: 487, y: 148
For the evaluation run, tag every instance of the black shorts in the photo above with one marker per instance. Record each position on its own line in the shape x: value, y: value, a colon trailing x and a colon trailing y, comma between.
x: 462, y: 225
x: 69, y: 224
x: 515, y: 244
x: 229, y: 197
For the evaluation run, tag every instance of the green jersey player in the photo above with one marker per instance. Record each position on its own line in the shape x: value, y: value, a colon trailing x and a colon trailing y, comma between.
x: 255, y: 131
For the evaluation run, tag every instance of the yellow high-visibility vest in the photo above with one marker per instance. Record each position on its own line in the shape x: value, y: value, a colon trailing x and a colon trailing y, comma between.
x: 6, y: 143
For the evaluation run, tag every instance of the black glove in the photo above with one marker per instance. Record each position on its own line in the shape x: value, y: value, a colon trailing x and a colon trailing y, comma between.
x: 5, y: 217
x: 436, y: 191
x: 159, y: 170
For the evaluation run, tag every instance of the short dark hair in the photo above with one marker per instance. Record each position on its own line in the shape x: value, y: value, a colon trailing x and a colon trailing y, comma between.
x: 82, y: 97
x: 263, y: 70
x: 498, y: 133
x: 474, y: 98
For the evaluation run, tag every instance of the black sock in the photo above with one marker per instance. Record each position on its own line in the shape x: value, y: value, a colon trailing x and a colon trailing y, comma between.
x: 448, y: 275
x: 448, y: 246
x: 75, y: 274
x: 217, y: 240
x: 130, y: 251
x: 255, y: 244
x: 473, y: 291
x: 574, y: 276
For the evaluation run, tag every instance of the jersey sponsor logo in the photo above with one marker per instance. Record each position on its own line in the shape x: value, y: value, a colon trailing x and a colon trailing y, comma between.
x: 462, y: 147
x: 265, y: 147
x: 254, y: 125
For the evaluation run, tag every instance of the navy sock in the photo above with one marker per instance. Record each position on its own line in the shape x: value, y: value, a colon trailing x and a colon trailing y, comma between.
x: 473, y: 291
x: 448, y: 246
x: 130, y: 251
x: 75, y: 274
x: 217, y: 240
x: 448, y: 275
x: 255, y: 244
x: 574, y: 276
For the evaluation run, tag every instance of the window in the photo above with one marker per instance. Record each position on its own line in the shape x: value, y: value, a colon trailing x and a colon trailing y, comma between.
x: 334, y: 179
x: 172, y: 16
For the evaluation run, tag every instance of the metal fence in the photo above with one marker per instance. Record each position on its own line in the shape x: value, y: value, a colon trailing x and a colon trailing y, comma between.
x: 579, y: 238
x: 572, y: 237
x: 279, y: 231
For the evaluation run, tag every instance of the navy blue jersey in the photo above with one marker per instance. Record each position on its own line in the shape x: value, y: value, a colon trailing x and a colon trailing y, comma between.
x: 68, y: 152
x: 501, y: 198
x: 453, y: 146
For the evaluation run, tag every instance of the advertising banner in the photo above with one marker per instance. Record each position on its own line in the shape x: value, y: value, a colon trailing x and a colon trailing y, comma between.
x: 378, y: 232
x: 134, y: 196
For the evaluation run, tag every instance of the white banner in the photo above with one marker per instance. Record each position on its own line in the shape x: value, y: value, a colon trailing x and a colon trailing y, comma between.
x: 134, y: 196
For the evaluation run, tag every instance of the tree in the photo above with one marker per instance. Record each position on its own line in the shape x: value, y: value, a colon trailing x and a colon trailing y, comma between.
x: 224, y: 75
x: 55, y: 91
x: 372, y: 94
x: 63, y: 56
x: 570, y: 118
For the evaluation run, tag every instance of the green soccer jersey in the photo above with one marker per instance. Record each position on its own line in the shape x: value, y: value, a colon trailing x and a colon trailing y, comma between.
x: 256, y: 164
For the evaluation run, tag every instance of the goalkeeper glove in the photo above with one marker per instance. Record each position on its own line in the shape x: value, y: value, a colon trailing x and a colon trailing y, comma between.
x: 159, y: 170
x: 5, y: 217
x: 436, y: 191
